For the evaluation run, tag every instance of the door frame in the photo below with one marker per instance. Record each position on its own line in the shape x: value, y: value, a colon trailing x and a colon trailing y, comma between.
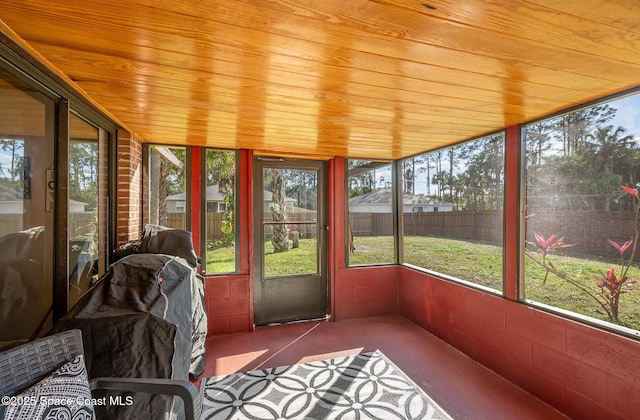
x: 323, y: 272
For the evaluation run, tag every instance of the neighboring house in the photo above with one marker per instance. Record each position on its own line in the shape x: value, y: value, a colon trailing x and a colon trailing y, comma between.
x: 419, y: 203
x: 380, y: 202
x: 11, y: 207
x: 77, y: 206
x: 10, y: 200
x: 177, y: 203
x: 289, y: 203
x: 16, y: 206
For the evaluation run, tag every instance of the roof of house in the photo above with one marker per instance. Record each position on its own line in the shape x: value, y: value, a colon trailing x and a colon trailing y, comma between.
x: 384, y: 196
x: 214, y: 194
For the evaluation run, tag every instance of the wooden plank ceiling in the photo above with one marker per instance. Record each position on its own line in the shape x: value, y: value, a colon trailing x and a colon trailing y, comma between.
x: 318, y: 78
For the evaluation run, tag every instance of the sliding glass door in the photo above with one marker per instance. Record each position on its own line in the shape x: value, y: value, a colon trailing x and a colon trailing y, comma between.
x: 27, y: 205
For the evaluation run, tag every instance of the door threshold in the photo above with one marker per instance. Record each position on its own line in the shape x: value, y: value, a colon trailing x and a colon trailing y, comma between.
x: 297, y: 321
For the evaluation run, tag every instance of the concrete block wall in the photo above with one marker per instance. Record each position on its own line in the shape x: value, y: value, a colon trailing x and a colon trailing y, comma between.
x: 583, y: 371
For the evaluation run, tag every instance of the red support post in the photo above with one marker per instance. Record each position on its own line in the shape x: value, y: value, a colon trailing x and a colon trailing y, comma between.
x: 512, y: 212
x: 196, y: 191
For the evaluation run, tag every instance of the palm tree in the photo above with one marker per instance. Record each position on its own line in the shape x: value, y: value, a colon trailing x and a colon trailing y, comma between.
x: 607, y: 144
x: 280, y: 237
x: 221, y: 171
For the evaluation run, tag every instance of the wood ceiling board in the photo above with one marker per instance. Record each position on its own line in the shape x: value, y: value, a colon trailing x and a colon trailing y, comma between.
x: 326, y: 73
x: 109, y: 70
x: 179, y: 61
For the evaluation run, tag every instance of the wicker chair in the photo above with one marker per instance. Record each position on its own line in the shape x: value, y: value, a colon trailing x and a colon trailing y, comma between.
x: 22, y: 366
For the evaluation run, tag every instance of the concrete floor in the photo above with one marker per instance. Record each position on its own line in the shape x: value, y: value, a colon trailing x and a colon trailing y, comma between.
x: 463, y: 387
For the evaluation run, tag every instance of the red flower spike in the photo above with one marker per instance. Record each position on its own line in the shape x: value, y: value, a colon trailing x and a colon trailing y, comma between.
x: 631, y: 191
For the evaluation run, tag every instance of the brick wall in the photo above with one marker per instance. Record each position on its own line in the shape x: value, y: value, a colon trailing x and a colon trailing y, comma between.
x: 129, y: 186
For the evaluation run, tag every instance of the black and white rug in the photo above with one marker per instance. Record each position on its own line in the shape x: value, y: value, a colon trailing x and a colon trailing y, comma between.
x: 365, y: 386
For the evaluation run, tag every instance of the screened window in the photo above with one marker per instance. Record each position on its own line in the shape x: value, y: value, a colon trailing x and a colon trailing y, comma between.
x: 220, y: 224
x: 458, y: 233
x: 370, y: 221
x: 582, y: 175
x: 167, y: 192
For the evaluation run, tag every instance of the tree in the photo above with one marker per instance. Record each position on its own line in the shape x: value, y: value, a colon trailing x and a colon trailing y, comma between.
x: 167, y: 172
x: 280, y: 237
x: 452, y: 162
x: 425, y: 164
x: 607, y: 145
x: 572, y: 129
x: 16, y: 150
x: 576, y: 161
x: 221, y: 171
x: 538, y: 142
x: 440, y: 179
x: 408, y: 171
x: 302, y: 184
x: 83, y: 173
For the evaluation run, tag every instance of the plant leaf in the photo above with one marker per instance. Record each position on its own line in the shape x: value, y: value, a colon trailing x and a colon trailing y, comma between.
x: 631, y: 191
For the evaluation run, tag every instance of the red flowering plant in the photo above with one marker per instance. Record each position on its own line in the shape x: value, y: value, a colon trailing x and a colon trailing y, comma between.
x: 546, y: 247
x: 609, y: 286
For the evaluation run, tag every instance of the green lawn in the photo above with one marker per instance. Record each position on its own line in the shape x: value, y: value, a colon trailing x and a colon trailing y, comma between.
x: 558, y: 292
x: 221, y: 260
x: 301, y: 260
x: 479, y: 263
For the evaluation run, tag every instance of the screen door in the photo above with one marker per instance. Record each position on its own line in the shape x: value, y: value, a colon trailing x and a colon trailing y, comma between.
x: 290, y: 240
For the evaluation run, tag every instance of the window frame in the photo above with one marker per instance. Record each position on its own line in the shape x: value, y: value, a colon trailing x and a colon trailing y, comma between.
x: 146, y: 179
x: 521, y: 223
x: 396, y: 222
x: 445, y: 276
x: 204, y: 211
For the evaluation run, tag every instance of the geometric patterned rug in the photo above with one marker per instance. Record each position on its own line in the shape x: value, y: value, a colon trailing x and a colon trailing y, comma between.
x: 364, y: 386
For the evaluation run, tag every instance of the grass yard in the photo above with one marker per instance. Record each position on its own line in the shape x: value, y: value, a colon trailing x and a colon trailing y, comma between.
x: 480, y: 263
x: 558, y: 292
x: 301, y: 260
x: 221, y: 260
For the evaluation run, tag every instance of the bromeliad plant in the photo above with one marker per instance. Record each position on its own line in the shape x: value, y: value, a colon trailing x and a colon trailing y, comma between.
x: 609, y: 286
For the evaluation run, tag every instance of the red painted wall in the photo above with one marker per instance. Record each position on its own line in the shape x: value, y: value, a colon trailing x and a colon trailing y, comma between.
x: 362, y: 292
x: 353, y: 292
x: 229, y: 308
x: 582, y: 371
x: 229, y: 298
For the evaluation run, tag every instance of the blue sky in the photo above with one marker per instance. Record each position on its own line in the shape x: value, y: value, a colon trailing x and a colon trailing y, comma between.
x: 628, y: 115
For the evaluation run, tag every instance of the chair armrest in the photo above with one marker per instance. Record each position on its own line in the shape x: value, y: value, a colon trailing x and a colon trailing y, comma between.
x: 184, y: 389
